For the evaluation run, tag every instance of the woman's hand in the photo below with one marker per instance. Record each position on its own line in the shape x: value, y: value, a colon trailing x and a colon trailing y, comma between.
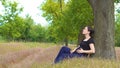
x: 80, y: 51
x: 73, y: 50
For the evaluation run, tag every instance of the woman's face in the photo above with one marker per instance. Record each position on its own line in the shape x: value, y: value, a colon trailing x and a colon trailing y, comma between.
x: 85, y: 31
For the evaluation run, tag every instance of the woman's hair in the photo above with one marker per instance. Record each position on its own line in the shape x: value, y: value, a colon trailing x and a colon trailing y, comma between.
x: 91, y: 31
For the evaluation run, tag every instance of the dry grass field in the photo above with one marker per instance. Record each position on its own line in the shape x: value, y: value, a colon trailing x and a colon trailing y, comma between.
x: 41, y: 55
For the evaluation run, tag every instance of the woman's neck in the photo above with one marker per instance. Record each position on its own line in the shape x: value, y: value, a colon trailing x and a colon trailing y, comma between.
x: 87, y: 36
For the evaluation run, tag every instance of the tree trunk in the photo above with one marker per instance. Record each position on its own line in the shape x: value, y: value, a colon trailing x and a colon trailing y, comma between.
x: 66, y: 41
x: 104, y: 28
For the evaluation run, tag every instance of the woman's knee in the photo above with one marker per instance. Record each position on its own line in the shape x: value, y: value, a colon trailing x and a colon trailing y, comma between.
x: 65, y: 49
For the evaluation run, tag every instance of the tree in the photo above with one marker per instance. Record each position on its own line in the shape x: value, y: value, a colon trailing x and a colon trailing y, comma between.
x: 54, y: 14
x: 9, y: 20
x: 27, y: 24
x: 103, y: 11
x: 79, y: 14
x: 68, y: 19
x: 37, y: 33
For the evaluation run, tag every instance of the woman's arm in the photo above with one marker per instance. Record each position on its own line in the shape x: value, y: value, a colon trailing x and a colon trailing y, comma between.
x: 73, y: 50
x: 92, y: 49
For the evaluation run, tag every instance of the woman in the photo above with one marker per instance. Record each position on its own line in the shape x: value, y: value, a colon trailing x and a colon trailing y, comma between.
x: 86, y: 47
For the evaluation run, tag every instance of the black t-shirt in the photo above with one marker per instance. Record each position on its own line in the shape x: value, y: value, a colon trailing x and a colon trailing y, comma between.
x: 85, y: 45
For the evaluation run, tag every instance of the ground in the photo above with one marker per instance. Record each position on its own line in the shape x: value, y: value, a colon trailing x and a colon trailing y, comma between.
x: 26, y: 55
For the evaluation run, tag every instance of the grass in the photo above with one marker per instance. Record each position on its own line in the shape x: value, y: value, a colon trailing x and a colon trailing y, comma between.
x: 41, y: 55
x: 12, y: 53
x: 11, y: 47
x: 37, y: 44
x: 81, y: 63
x: 17, y: 46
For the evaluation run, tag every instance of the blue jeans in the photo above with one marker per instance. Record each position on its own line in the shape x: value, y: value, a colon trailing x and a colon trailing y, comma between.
x: 65, y: 53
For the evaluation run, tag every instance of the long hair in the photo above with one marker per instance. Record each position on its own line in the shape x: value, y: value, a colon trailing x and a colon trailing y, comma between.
x: 91, y: 31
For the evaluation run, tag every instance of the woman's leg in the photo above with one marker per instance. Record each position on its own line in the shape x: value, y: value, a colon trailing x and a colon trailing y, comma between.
x: 75, y: 54
x: 63, y: 53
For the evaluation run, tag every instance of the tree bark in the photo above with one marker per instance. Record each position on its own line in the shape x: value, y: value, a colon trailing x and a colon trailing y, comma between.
x: 66, y: 41
x: 104, y: 28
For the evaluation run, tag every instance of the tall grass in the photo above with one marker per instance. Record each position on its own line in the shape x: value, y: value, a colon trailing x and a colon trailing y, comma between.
x: 17, y: 52
x: 17, y: 46
x: 41, y: 55
x: 81, y: 63
x: 38, y: 44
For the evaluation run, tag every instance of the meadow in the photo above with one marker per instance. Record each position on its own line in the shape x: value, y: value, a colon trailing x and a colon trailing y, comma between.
x: 41, y: 55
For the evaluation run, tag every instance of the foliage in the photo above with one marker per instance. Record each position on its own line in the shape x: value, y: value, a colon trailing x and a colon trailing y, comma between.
x: 117, y: 30
x: 117, y: 1
x: 9, y: 20
x: 37, y: 33
x: 66, y: 21
x: 14, y: 27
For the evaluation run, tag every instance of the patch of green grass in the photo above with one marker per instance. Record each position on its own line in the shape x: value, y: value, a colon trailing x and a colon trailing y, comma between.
x: 81, y: 63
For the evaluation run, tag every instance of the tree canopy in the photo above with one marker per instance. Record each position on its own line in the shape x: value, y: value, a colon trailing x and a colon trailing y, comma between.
x: 68, y: 20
